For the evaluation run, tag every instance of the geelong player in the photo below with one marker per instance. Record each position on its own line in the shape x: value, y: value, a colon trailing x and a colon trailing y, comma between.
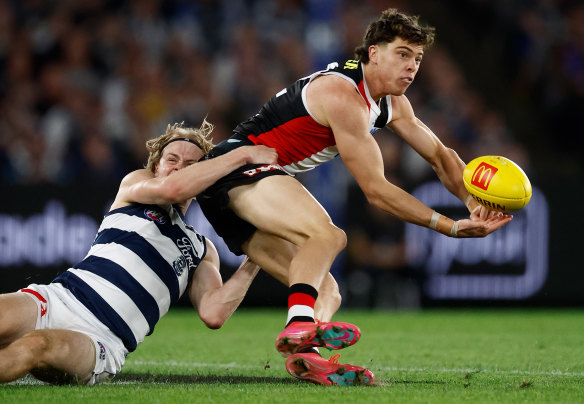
x: 79, y: 328
x: 264, y: 212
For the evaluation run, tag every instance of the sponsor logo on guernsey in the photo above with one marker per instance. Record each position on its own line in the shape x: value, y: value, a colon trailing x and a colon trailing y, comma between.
x: 261, y: 169
x: 351, y: 64
x: 101, y: 351
x: 155, y: 215
x: 483, y: 175
x: 186, y: 259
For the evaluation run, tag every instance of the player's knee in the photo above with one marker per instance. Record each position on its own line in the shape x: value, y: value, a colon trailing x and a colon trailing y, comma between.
x: 338, y: 238
x: 38, y: 343
x: 330, y: 235
x: 32, y: 349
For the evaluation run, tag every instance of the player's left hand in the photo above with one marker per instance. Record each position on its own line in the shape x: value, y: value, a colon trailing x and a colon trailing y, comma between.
x: 482, y: 228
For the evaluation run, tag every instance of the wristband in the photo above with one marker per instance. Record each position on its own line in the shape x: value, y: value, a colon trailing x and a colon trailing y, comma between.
x: 434, y: 220
x: 467, y: 202
x: 454, y: 229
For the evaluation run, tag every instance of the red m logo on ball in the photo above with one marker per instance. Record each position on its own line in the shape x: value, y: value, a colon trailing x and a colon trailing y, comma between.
x: 483, y: 175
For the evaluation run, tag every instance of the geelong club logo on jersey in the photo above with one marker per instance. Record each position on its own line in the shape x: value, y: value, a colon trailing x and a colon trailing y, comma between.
x: 155, y: 215
x: 483, y: 175
x: 187, y: 257
x: 179, y: 265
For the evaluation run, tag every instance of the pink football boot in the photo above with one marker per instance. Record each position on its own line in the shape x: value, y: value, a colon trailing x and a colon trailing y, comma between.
x: 300, y: 336
x: 315, y: 369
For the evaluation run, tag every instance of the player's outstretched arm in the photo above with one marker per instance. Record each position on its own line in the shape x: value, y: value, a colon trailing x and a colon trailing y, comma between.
x: 343, y: 110
x: 214, y: 300
x: 337, y: 104
x: 445, y: 161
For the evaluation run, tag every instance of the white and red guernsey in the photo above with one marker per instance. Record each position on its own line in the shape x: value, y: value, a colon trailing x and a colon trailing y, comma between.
x: 286, y: 124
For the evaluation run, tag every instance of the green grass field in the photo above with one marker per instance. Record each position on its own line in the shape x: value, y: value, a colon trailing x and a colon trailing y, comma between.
x: 433, y: 356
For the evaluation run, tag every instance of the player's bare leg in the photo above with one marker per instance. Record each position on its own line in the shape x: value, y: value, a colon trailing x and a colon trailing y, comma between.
x: 274, y: 254
x: 50, y: 355
x: 53, y: 356
x: 326, y: 307
x: 18, y: 314
x: 281, y: 206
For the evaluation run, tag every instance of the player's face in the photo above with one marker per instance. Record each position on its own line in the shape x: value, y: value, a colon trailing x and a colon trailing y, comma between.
x: 177, y: 155
x: 398, y: 64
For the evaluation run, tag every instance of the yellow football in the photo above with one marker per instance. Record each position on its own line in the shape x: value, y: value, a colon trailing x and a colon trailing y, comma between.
x: 498, y: 183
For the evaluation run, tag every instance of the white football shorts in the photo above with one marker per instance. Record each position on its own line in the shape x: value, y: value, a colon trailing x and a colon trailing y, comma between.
x: 59, y: 309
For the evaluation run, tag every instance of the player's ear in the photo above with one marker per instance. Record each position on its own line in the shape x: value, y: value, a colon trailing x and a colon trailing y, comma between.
x: 373, y: 53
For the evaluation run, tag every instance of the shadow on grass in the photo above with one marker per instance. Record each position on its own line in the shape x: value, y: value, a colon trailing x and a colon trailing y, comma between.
x: 198, y: 379
x: 170, y: 379
x: 147, y: 378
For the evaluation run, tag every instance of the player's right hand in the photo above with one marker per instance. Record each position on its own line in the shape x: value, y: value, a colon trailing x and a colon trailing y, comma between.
x: 260, y: 154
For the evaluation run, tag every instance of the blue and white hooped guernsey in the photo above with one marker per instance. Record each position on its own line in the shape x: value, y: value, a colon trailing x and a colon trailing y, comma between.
x: 139, y: 264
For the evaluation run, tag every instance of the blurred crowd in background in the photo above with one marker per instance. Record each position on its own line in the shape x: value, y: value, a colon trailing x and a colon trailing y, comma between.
x: 83, y: 84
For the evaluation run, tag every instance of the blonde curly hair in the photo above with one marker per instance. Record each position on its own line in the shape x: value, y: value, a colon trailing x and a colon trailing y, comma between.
x: 199, y: 136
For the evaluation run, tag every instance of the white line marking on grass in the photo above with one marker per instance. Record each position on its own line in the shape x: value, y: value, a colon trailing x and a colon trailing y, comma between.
x: 235, y: 365
x: 486, y: 371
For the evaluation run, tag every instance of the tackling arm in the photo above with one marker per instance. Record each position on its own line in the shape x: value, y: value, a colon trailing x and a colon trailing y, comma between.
x: 143, y: 187
x: 214, y: 300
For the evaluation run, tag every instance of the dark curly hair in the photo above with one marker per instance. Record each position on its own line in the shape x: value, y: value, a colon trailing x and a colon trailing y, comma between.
x: 390, y: 25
